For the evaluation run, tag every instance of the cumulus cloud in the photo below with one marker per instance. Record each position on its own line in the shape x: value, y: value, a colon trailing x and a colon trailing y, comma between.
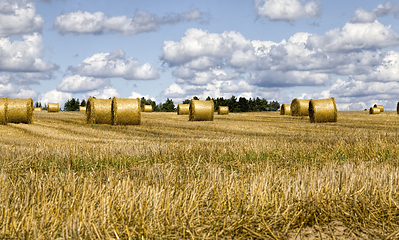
x: 386, y: 71
x: 96, y: 23
x: 77, y: 83
x: 108, y: 92
x: 287, y: 10
x: 355, y: 37
x: 138, y: 95
x: 363, y: 16
x: 54, y: 96
x: 21, y: 18
x: 287, y: 79
x: 23, y: 56
x: 115, y: 64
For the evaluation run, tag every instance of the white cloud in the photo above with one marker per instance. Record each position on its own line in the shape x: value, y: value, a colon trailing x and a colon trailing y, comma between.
x: 287, y: 10
x: 287, y: 79
x: 77, y: 83
x: 20, y: 18
x: 23, y: 56
x: 108, y: 92
x: 363, y: 16
x: 55, y: 96
x: 95, y: 23
x: 115, y: 64
x: 138, y: 95
x: 355, y: 37
x: 387, y: 70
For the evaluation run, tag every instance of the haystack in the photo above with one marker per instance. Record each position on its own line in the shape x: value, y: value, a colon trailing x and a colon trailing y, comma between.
x: 285, y: 109
x: 126, y: 111
x: 183, y: 109
x: 381, y: 107
x: 82, y: 109
x: 397, y: 108
x: 300, y: 107
x: 37, y: 109
x: 374, y: 110
x: 323, y: 110
x: 3, y: 111
x: 53, y: 107
x: 98, y: 111
x: 147, y: 108
x: 201, y: 110
x: 20, y: 110
x: 223, y: 110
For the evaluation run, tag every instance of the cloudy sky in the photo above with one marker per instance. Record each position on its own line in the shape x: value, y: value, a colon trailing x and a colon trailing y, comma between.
x: 53, y: 50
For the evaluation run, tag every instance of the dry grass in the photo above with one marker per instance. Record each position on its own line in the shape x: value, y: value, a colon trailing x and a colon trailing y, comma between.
x: 250, y: 175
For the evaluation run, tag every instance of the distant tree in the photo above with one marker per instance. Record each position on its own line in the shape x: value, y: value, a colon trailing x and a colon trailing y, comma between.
x: 195, y: 98
x: 45, y: 107
x: 38, y: 105
x: 186, y: 101
x: 274, y: 106
x: 208, y: 98
x: 71, y: 105
x: 232, y: 103
x: 83, y: 103
x: 168, y: 106
x: 243, y: 105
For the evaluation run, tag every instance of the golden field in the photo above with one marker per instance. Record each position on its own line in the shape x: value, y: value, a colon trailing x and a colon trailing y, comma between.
x: 244, y: 175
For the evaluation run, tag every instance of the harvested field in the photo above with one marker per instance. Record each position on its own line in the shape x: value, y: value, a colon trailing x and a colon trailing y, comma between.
x: 243, y: 175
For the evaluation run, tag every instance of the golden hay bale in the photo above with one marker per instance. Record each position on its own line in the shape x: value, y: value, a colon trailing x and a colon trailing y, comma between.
x: 147, y: 108
x: 37, y: 109
x: 126, y: 111
x: 381, y: 107
x: 223, y: 110
x: 98, y: 111
x: 183, y: 109
x: 285, y: 109
x: 20, y: 110
x: 300, y: 107
x: 82, y: 109
x: 201, y: 110
x: 374, y: 110
x: 3, y: 111
x: 53, y: 107
x: 323, y: 110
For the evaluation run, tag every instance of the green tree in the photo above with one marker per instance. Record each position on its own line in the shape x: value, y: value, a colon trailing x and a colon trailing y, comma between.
x: 195, y: 98
x: 38, y: 105
x: 168, y: 106
x: 232, y: 103
x: 72, y: 105
x: 83, y: 103
x: 243, y: 105
x: 186, y: 101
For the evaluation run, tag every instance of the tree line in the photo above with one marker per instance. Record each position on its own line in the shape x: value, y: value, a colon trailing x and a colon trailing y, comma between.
x: 235, y: 105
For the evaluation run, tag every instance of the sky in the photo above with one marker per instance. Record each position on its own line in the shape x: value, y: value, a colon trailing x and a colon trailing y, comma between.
x: 53, y: 50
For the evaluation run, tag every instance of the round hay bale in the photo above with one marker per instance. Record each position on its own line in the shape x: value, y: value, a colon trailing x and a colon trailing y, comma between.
x: 381, y: 107
x: 285, y: 109
x: 183, y: 109
x: 98, y: 111
x: 53, y: 107
x: 82, y: 109
x: 126, y: 111
x: 147, y: 108
x: 223, y: 110
x: 323, y: 110
x: 3, y: 111
x: 201, y: 110
x: 300, y: 107
x: 397, y: 108
x: 37, y: 109
x: 374, y: 110
x: 20, y: 110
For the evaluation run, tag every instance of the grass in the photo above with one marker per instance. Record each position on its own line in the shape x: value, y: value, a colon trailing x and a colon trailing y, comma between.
x: 250, y: 175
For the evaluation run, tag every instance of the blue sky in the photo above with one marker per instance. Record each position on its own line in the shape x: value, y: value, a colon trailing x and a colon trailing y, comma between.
x: 53, y: 50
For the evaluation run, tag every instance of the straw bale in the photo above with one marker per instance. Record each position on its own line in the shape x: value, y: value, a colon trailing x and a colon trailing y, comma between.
x: 397, y: 108
x: 53, y: 107
x: 183, y: 109
x: 381, y: 107
x: 223, y: 110
x: 20, y: 110
x: 323, y: 110
x: 3, y: 111
x: 201, y: 110
x: 285, y: 109
x: 37, y: 109
x: 374, y: 110
x: 126, y: 111
x: 300, y: 107
x: 82, y: 109
x: 147, y: 108
x: 98, y: 111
